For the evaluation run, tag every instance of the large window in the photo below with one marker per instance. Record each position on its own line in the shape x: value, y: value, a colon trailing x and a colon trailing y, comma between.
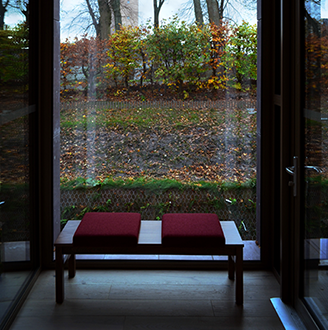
x: 158, y: 114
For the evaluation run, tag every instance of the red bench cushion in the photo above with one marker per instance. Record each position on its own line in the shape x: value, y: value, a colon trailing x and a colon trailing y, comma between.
x: 108, y: 229
x: 192, y: 229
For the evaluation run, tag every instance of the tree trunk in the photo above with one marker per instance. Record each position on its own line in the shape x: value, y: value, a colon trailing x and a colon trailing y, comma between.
x: 156, y: 15
x: 157, y: 9
x: 93, y: 18
x: 2, y: 16
x: 3, y: 9
x: 213, y: 12
x: 198, y: 12
x: 105, y: 19
x: 221, y: 9
x: 116, y: 5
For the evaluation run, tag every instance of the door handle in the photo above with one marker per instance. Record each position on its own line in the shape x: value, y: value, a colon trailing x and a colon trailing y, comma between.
x: 292, y: 170
x: 314, y: 168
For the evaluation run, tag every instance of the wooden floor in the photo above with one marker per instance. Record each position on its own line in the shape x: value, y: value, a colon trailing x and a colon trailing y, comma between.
x: 150, y: 299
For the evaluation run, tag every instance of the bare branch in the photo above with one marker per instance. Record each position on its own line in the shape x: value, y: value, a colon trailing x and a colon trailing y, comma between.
x: 94, y: 20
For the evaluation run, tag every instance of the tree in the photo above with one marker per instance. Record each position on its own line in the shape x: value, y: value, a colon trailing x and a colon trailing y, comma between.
x: 23, y: 6
x: 116, y: 6
x: 106, y: 8
x: 123, y: 54
x: 178, y: 55
x: 157, y: 8
x: 214, y: 12
x: 241, y: 54
x: 105, y: 19
x: 198, y: 12
x: 145, y: 70
x: 101, y: 22
x: 219, y: 39
x: 20, y: 6
x: 3, y: 9
x: 14, y: 55
x: 99, y: 16
x: 85, y: 57
x: 66, y: 66
x: 179, y: 52
x: 225, y: 8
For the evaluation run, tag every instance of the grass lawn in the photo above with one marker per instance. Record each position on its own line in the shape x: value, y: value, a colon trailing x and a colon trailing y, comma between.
x: 188, y: 142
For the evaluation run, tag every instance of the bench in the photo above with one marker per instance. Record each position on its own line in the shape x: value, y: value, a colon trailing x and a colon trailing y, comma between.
x: 149, y: 241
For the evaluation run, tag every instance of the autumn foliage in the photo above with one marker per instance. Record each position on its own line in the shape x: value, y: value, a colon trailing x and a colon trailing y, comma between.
x: 83, y: 64
x: 179, y: 53
x: 14, y: 57
x: 241, y: 53
x: 316, y: 62
x: 179, y: 56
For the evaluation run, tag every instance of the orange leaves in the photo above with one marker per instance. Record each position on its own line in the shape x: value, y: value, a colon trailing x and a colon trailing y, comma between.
x: 182, y: 144
x: 196, y: 172
x: 82, y: 58
x: 316, y: 60
x: 181, y: 56
x: 219, y: 38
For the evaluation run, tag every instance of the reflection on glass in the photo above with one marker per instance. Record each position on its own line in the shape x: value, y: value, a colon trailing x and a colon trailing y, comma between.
x: 316, y: 170
x: 14, y: 155
x: 158, y: 112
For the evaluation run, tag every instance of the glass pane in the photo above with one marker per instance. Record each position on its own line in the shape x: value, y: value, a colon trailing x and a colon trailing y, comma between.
x: 15, y: 197
x: 159, y: 115
x: 316, y: 174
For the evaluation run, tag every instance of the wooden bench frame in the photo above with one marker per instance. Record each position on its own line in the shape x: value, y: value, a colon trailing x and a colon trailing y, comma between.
x: 149, y: 242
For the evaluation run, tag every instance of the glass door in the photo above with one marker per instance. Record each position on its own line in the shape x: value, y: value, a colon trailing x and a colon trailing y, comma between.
x: 17, y: 153
x: 315, y: 225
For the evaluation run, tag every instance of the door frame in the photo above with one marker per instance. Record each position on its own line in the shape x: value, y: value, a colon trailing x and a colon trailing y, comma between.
x: 292, y: 144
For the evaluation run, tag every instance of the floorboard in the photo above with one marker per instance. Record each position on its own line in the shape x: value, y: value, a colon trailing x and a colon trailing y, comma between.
x: 150, y: 299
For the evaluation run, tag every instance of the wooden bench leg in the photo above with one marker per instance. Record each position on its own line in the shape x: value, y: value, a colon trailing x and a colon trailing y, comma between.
x: 231, y: 267
x: 59, y: 276
x: 71, y: 266
x: 239, y: 277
